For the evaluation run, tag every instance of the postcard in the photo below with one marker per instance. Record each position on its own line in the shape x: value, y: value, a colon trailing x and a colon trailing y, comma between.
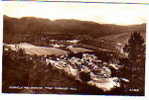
x: 74, y: 48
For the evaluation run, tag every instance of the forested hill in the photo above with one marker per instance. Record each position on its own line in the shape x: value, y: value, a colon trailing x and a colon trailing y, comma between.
x: 28, y: 28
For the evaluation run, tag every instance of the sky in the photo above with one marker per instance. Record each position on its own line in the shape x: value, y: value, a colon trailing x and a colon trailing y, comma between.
x: 121, y: 14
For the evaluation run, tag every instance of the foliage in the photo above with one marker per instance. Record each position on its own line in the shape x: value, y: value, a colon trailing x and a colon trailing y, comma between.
x: 136, y: 56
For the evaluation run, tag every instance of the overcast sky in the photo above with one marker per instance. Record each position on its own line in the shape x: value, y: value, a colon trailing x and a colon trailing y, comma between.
x: 121, y: 14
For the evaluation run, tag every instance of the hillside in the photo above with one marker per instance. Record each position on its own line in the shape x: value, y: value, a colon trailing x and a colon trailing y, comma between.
x: 39, y: 31
x: 121, y: 38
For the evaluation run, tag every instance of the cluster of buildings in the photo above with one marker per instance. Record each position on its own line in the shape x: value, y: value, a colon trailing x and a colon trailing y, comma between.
x: 100, y: 71
x: 88, y: 63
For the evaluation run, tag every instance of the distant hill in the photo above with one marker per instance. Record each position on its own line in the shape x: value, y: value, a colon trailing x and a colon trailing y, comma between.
x: 39, y: 31
x: 119, y: 38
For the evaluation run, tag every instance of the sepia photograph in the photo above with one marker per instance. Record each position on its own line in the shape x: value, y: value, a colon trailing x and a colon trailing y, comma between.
x: 74, y: 48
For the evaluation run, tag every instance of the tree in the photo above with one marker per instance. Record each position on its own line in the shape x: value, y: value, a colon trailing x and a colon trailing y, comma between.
x: 85, y: 76
x: 136, y: 56
x: 135, y: 49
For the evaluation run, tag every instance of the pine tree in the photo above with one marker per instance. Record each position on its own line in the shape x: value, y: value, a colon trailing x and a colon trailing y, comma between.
x: 135, y: 49
x: 136, y: 56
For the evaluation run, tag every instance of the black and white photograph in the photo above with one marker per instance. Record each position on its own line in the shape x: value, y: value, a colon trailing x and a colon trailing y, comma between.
x: 74, y: 48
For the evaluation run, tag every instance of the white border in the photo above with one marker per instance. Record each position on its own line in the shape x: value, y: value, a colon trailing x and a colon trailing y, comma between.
x: 73, y: 97
x: 121, y: 1
x: 147, y: 62
x: 1, y: 41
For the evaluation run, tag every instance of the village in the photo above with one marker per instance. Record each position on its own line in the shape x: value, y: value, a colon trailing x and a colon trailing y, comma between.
x: 83, y: 66
x: 89, y: 69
